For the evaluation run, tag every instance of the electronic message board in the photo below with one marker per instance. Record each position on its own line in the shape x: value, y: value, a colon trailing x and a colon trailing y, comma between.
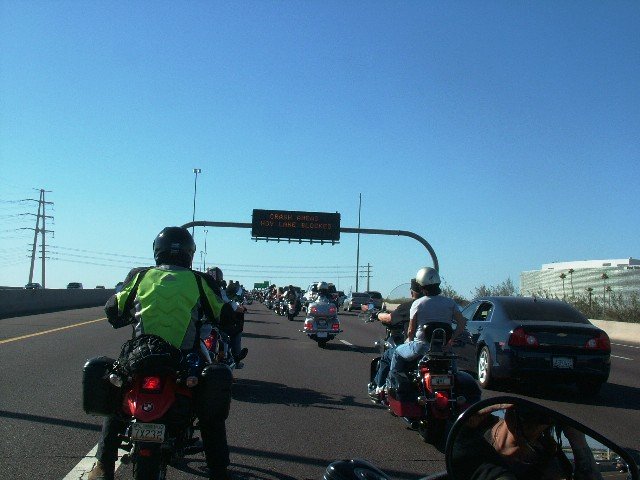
x: 284, y: 224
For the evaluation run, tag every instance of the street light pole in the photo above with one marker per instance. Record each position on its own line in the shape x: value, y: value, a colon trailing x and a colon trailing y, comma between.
x: 205, y: 250
x: 358, y: 247
x: 195, y: 189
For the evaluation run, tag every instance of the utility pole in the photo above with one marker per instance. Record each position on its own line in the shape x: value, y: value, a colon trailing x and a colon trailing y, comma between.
x: 41, y: 214
x: 368, y: 275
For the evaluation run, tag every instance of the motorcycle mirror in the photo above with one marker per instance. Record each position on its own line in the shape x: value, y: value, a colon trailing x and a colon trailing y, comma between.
x: 353, y: 469
x: 510, y: 437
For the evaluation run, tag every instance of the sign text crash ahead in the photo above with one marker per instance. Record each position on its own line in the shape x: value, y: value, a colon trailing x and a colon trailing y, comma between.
x: 295, y: 225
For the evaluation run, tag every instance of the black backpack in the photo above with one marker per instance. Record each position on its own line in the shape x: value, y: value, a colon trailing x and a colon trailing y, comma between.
x: 147, y: 354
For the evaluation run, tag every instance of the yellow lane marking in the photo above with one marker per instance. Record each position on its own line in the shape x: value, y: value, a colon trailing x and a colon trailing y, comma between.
x: 15, y: 339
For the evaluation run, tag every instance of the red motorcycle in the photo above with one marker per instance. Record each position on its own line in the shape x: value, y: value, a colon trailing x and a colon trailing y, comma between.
x: 432, y: 393
x: 157, y: 399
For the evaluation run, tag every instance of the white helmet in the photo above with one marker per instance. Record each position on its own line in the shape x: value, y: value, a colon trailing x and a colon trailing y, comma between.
x: 427, y: 276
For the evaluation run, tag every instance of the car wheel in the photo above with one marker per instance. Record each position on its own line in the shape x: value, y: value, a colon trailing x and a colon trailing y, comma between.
x: 589, y: 388
x: 484, y: 368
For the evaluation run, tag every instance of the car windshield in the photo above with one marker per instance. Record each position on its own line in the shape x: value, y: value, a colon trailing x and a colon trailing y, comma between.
x: 359, y: 295
x: 376, y: 295
x: 543, y: 312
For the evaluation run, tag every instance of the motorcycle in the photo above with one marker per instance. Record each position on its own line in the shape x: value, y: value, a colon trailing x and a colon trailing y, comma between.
x: 577, y: 452
x: 321, y: 323
x: 154, y: 396
x: 293, y: 308
x: 432, y: 393
x: 269, y: 303
x: 218, y: 346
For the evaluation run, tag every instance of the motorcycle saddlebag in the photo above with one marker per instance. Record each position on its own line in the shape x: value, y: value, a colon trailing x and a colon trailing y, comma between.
x: 401, y: 387
x: 99, y: 395
x: 213, y: 395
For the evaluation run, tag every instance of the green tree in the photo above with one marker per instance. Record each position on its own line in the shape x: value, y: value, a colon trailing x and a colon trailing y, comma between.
x: 448, y: 291
x: 604, y: 278
x: 571, y: 270
x: 562, y: 277
x: 504, y: 289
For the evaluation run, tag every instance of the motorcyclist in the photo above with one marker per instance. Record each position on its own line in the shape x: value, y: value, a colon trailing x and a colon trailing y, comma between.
x: 168, y: 300
x: 399, y: 318
x: 323, y: 293
x: 235, y: 294
x: 430, y: 308
x: 234, y: 325
x: 291, y: 296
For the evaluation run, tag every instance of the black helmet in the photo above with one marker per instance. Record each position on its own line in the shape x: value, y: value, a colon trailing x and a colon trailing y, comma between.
x: 174, y: 246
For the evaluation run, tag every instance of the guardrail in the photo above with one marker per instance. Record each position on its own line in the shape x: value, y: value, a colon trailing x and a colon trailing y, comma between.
x: 20, y: 302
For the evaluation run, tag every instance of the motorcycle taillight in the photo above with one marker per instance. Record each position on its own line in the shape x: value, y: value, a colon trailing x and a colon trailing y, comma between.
x: 211, y: 341
x: 335, y: 326
x: 442, y: 400
x: 151, y: 384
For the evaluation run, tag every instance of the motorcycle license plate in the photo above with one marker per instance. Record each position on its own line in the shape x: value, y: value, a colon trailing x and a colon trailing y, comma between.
x: 147, y: 432
x: 441, y: 380
x: 322, y: 334
x: 562, y: 362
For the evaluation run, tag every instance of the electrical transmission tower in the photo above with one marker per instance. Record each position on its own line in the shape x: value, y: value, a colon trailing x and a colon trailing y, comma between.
x: 42, y: 230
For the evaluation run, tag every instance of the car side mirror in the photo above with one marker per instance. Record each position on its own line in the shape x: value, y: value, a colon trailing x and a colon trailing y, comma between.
x: 510, y: 437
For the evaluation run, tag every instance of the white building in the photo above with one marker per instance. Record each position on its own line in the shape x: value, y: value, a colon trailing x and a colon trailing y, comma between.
x: 566, y: 279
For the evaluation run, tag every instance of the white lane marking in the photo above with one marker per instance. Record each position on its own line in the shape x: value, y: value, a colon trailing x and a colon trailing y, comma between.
x: 623, y: 345
x: 81, y: 470
x: 347, y: 343
x: 624, y: 358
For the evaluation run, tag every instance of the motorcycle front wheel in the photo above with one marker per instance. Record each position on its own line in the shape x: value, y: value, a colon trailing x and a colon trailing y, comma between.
x: 148, y: 463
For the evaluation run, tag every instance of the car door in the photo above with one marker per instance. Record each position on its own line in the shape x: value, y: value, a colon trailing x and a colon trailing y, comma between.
x: 463, y: 344
x: 478, y: 326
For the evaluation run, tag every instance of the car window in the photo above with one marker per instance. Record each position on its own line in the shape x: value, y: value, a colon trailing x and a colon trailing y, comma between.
x: 469, y: 310
x: 483, y: 312
x: 376, y: 295
x: 544, y: 312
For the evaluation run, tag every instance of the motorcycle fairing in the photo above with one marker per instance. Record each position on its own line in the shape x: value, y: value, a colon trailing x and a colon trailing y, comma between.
x: 148, y: 406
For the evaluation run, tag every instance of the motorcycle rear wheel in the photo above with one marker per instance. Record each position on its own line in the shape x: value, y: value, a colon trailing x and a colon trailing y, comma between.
x: 434, y: 432
x: 149, y: 467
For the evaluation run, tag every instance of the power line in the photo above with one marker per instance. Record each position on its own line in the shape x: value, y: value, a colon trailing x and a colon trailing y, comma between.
x: 110, y: 254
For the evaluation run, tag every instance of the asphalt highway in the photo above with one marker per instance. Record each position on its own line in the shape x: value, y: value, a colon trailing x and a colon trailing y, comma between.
x: 295, y: 407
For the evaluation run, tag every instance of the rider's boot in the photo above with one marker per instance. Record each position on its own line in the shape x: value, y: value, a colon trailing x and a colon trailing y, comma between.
x: 101, y: 471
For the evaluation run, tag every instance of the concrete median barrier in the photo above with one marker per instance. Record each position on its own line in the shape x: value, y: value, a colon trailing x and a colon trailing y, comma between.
x: 620, y: 331
x: 19, y: 302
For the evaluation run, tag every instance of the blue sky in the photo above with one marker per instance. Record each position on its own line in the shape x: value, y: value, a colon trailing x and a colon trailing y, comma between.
x: 505, y: 133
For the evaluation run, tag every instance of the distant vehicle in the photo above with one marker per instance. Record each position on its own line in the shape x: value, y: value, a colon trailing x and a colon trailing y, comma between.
x: 534, y: 338
x: 74, y: 285
x: 376, y: 297
x: 355, y: 300
x: 340, y: 296
x: 33, y: 286
x: 101, y: 287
